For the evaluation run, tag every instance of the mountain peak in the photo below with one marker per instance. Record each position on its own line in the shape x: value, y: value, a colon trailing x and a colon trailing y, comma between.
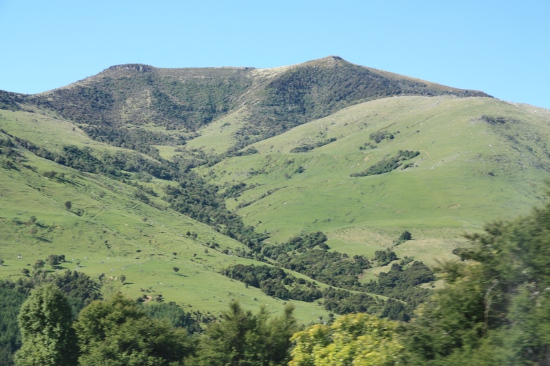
x: 328, y: 61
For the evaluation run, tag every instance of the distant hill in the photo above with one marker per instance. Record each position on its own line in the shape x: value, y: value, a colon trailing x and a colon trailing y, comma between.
x: 129, y: 105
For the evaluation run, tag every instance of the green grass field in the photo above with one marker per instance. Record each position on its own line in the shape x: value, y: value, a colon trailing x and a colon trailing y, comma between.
x: 107, y: 231
x: 468, y: 173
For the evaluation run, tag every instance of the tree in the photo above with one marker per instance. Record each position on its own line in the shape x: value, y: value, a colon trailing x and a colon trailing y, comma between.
x: 495, y: 307
x: 50, y: 174
x: 45, y: 322
x: 405, y: 236
x: 38, y: 264
x: 122, y: 279
x: 53, y: 260
x: 68, y: 205
x: 117, y: 333
x: 243, y: 338
x: 353, y: 339
x: 176, y: 269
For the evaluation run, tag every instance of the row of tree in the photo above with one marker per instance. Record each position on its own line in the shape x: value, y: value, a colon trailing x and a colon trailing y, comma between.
x: 117, y: 332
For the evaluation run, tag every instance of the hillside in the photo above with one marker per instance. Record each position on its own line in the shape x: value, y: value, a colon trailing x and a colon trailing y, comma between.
x: 111, y: 228
x: 479, y: 159
x: 264, y: 185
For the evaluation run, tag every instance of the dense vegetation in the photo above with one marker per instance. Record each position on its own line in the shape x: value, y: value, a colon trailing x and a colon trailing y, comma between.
x: 78, y: 290
x: 307, y: 254
x: 309, y: 147
x: 495, y: 308
x: 388, y: 165
x: 118, y: 332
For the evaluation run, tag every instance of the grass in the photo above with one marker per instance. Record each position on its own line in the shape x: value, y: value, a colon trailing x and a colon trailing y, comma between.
x: 113, y: 234
x: 218, y: 136
x: 468, y: 172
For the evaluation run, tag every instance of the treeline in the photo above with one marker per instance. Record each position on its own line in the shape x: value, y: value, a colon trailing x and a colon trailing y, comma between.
x: 119, y: 332
x: 307, y: 254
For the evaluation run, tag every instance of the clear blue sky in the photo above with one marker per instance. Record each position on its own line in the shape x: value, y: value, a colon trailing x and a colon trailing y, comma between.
x: 500, y: 47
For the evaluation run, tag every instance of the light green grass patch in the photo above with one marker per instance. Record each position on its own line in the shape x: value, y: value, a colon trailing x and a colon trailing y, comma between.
x: 218, y: 136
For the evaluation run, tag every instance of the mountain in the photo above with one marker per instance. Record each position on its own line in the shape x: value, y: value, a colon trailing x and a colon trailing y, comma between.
x: 123, y: 103
x: 182, y: 179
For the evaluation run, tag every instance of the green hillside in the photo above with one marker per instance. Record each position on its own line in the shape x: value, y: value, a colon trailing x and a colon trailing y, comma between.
x: 212, y: 184
x: 479, y: 159
x: 107, y: 230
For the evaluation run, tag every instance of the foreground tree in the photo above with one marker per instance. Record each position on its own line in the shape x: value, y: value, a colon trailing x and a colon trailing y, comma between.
x: 353, y: 339
x: 45, y: 322
x: 495, y: 309
x: 243, y: 338
x: 117, y: 333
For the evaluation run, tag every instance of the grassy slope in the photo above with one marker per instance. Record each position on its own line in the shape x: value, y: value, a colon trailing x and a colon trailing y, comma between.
x: 111, y: 230
x: 468, y: 173
x: 218, y: 136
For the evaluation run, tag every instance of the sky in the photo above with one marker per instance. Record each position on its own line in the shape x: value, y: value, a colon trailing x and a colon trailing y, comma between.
x: 499, y: 47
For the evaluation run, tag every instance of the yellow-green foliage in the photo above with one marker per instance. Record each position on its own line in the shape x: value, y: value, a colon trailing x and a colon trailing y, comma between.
x: 354, y: 339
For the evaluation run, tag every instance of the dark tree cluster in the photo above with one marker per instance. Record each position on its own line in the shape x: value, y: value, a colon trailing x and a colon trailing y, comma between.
x: 274, y: 281
x: 388, y: 165
x: 201, y: 202
x: 309, y: 147
x: 384, y: 257
x: 379, y: 136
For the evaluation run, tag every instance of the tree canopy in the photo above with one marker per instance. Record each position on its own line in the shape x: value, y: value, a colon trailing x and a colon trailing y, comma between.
x: 353, y: 339
x: 243, y: 338
x: 116, y: 332
x: 495, y: 308
x: 45, y: 322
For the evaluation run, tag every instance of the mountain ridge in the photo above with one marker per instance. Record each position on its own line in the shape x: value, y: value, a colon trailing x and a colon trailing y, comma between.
x: 187, y: 99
